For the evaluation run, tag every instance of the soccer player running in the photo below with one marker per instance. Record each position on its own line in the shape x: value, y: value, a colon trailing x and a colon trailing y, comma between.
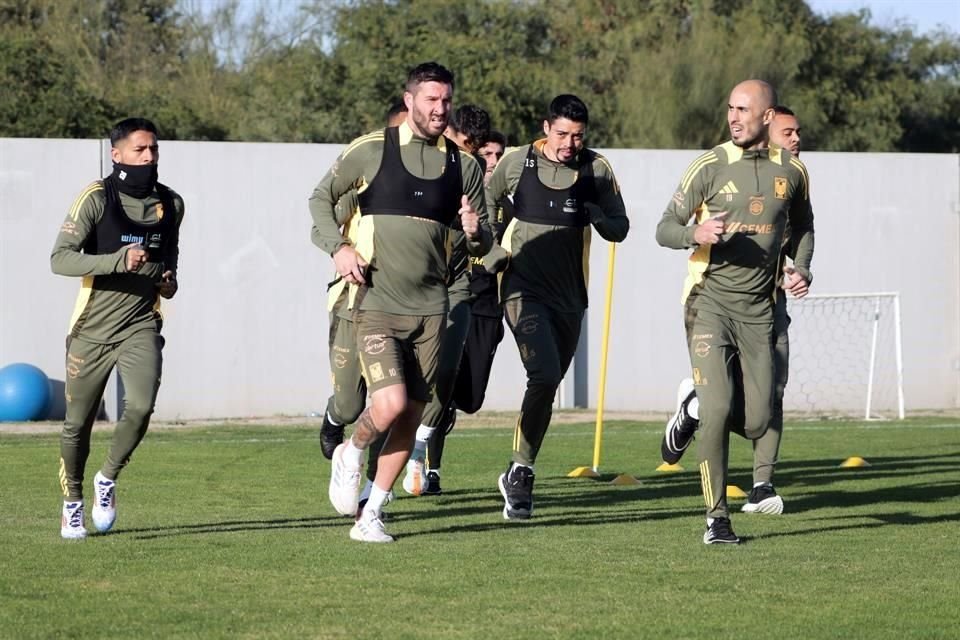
x: 413, y: 186
x: 795, y: 279
x: 349, y: 387
x: 743, y: 195
x: 468, y: 127
x: 483, y: 335
x: 560, y: 188
x: 122, y: 237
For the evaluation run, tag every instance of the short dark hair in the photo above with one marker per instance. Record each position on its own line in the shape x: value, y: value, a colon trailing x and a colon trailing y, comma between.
x: 783, y: 111
x: 429, y: 72
x: 473, y: 122
x: 125, y: 127
x: 396, y: 107
x: 497, y: 137
x: 570, y: 107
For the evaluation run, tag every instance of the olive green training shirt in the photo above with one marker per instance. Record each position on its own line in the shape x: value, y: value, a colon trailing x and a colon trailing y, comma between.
x: 113, y: 304
x: 763, y: 191
x: 408, y: 256
x: 550, y: 263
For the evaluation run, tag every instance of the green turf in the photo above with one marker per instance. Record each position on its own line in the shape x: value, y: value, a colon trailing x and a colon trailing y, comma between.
x: 226, y: 532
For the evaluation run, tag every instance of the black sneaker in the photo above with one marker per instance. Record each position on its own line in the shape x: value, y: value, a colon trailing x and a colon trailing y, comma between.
x: 516, y: 486
x: 764, y: 499
x: 432, y: 486
x: 720, y: 531
x: 331, y: 435
x: 678, y: 434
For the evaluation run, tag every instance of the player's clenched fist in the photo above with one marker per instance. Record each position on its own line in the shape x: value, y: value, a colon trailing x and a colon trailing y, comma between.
x: 469, y: 219
x: 710, y: 231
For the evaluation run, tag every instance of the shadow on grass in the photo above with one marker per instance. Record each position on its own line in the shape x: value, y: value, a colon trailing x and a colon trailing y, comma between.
x: 870, y: 521
x: 231, y: 526
x: 813, y: 472
x: 562, y: 501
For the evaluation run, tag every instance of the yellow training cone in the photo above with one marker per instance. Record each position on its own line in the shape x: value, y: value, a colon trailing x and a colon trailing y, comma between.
x: 625, y: 480
x: 669, y: 468
x: 733, y: 491
x: 583, y: 472
x: 855, y: 461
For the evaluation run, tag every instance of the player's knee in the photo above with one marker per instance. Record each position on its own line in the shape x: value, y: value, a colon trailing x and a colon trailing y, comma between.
x: 137, y: 410
x: 756, y: 425
x: 545, y: 379
x: 387, y: 405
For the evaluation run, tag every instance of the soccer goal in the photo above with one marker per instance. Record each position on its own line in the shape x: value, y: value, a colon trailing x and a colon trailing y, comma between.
x: 846, y: 356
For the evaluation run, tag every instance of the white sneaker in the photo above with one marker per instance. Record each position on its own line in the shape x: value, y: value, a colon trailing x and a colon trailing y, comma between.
x: 369, y: 528
x: 344, y: 483
x: 71, y: 521
x: 104, y: 512
x: 416, y: 478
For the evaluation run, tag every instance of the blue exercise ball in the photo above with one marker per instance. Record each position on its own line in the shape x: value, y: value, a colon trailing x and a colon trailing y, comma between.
x: 24, y: 393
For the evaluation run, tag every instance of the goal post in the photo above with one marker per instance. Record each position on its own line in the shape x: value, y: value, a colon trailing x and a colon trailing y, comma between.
x: 846, y: 355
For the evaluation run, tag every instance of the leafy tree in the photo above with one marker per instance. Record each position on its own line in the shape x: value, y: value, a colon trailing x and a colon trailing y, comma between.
x: 655, y: 73
x: 868, y: 89
x: 41, y: 94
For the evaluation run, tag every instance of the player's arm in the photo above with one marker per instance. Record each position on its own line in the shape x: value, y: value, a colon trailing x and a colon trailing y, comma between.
x: 480, y: 242
x: 503, y: 182
x: 67, y: 258
x: 608, y: 215
x: 168, y: 286
x: 345, y: 174
x: 801, y: 225
x: 346, y: 206
x: 673, y: 230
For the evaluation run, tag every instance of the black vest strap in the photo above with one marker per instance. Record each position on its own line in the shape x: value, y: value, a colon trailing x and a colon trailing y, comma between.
x: 395, y: 191
x: 535, y: 202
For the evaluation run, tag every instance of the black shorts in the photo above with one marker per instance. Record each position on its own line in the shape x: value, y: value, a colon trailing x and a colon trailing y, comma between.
x: 483, y: 337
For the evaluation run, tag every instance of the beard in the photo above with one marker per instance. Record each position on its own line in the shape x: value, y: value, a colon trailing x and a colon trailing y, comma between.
x: 427, y: 127
x: 746, y: 143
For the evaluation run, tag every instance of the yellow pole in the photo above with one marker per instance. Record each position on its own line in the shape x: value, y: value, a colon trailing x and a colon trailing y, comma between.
x: 604, y: 348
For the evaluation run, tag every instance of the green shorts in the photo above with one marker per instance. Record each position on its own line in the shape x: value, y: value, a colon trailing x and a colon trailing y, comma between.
x: 400, y: 349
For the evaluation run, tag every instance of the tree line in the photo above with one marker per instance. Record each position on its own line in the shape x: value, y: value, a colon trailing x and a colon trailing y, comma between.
x: 655, y: 73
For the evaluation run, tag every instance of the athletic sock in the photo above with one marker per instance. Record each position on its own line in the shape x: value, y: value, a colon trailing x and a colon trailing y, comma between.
x: 335, y: 423
x: 352, y: 456
x: 375, y: 502
x: 420, y: 444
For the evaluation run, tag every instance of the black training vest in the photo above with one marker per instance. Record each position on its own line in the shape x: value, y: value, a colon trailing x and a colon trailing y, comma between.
x: 533, y: 201
x: 395, y: 191
x: 116, y: 230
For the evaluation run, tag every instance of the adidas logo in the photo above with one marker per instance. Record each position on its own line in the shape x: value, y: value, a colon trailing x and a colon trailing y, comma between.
x: 729, y: 188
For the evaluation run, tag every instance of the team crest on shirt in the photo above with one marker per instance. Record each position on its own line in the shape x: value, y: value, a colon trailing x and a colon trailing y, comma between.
x: 159, y: 211
x: 780, y: 187
x: 756, y: 205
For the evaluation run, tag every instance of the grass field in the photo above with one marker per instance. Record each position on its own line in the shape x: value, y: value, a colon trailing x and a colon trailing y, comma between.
x: 226, y: 532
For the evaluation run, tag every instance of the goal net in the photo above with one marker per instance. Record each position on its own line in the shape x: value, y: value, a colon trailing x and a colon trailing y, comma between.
x: 845, y: 356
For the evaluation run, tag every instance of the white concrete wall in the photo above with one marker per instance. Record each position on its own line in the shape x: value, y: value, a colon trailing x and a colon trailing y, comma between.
x: 246, y: 335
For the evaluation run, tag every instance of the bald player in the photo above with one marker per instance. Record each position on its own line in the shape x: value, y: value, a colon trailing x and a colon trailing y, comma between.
x: 741, y: 197
x: 795, y: 280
